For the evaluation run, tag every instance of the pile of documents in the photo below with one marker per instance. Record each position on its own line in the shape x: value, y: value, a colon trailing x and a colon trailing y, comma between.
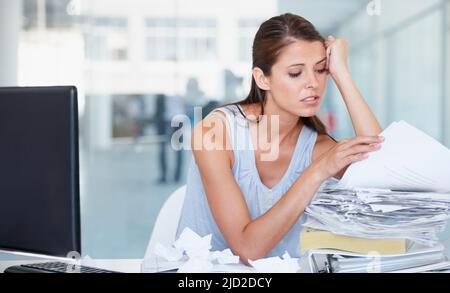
x: 400, y: 192
x: 380, y: 214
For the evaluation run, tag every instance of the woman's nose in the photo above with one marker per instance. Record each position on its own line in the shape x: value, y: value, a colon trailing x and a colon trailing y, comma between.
x: 312, y: 81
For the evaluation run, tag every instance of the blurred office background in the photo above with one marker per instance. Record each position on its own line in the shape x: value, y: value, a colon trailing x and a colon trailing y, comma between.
x: 137, y: 63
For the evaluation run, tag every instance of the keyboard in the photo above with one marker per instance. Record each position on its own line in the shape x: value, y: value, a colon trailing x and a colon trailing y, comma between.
x: 55, y: 267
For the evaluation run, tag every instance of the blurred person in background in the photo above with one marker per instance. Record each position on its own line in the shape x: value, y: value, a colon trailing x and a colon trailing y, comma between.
x: 167, y: 108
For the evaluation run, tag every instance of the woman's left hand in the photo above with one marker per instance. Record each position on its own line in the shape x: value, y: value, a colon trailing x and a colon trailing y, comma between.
x: 337, y: 56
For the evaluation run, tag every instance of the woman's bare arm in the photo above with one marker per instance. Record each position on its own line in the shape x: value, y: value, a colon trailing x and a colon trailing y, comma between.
x: 363, y: 120
x: 250, y: 239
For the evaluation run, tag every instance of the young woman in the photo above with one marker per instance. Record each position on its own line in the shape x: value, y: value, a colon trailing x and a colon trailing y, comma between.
x: 254, y: 205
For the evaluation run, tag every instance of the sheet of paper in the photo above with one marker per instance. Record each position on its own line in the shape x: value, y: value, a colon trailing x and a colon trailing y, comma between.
x: 409, y: 159
x: 386, y: 208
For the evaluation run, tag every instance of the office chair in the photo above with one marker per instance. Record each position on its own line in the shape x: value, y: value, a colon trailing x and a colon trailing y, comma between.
x: 166, y: 224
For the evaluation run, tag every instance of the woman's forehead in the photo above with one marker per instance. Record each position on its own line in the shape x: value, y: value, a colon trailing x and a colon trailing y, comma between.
x: 302, y: 52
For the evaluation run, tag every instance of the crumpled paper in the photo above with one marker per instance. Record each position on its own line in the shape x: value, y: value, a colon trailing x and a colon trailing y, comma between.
x: 169, y: 253
x: 196, y: 265
x: 225, y: 257
x: 197, y: 249
x: 201, y: 259
x: 194, y: 245
x: 287, y: 264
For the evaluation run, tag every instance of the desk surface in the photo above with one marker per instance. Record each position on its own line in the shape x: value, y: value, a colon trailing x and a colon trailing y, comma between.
x: 134, y: 265
x: 120, y: 265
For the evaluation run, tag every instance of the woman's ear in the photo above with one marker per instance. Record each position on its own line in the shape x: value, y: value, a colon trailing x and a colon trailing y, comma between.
x: 261, y: 80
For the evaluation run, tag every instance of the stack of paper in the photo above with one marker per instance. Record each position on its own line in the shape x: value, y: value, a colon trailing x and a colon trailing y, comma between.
x: 379, y: 214
x: 400, y: 192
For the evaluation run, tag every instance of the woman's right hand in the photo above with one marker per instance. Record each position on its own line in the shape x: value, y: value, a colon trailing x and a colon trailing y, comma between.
x: 344, y: 153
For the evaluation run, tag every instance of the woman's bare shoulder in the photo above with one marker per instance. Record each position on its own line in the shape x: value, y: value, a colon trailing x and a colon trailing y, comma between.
x: 210, y: 137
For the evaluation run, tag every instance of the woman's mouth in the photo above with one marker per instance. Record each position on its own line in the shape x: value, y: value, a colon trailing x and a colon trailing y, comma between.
x: 310, y: 100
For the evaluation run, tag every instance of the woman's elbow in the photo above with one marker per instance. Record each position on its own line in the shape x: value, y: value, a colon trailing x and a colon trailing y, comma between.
x: 248, y: 247
x: 247, y: 253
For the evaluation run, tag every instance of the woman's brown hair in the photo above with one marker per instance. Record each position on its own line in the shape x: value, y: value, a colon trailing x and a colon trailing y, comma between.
x: 272, y: 36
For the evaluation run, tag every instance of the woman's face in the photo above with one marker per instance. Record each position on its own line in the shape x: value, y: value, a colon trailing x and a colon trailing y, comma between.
x: 299, y: 77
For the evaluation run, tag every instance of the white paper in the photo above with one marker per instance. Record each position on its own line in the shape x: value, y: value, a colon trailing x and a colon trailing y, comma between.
x: 387, y: 208
x: 409, y: 159
x: 225, y: 257
x: 193, y: 244
x: 154, y: 264
x: 169, y: 253
x: 191, y: 253
x: 276, y: 264
x: 196, y: 265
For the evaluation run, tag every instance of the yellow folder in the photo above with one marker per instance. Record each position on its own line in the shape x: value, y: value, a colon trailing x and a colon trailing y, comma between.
x: 317, y: 239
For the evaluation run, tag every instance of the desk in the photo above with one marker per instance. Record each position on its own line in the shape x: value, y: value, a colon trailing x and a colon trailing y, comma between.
x: 119, y: 265
x: 134, y: 265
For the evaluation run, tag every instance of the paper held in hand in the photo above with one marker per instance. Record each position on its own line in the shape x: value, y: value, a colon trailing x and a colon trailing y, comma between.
x: 408, y: 160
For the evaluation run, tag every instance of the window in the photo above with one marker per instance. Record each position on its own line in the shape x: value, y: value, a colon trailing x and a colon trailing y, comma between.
x: 49, y: 13
x: 170, y: 39
x: 30, y: 17
x: 106, y: 38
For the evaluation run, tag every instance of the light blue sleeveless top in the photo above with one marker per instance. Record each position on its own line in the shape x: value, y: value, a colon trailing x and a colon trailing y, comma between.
x: 196, y: 213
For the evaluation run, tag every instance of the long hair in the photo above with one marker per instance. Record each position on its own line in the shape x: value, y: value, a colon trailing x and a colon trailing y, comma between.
x: 272, y: 36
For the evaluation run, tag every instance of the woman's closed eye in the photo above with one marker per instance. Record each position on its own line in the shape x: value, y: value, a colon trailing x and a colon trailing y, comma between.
x: 293, y: 75
x: 296, y: 74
